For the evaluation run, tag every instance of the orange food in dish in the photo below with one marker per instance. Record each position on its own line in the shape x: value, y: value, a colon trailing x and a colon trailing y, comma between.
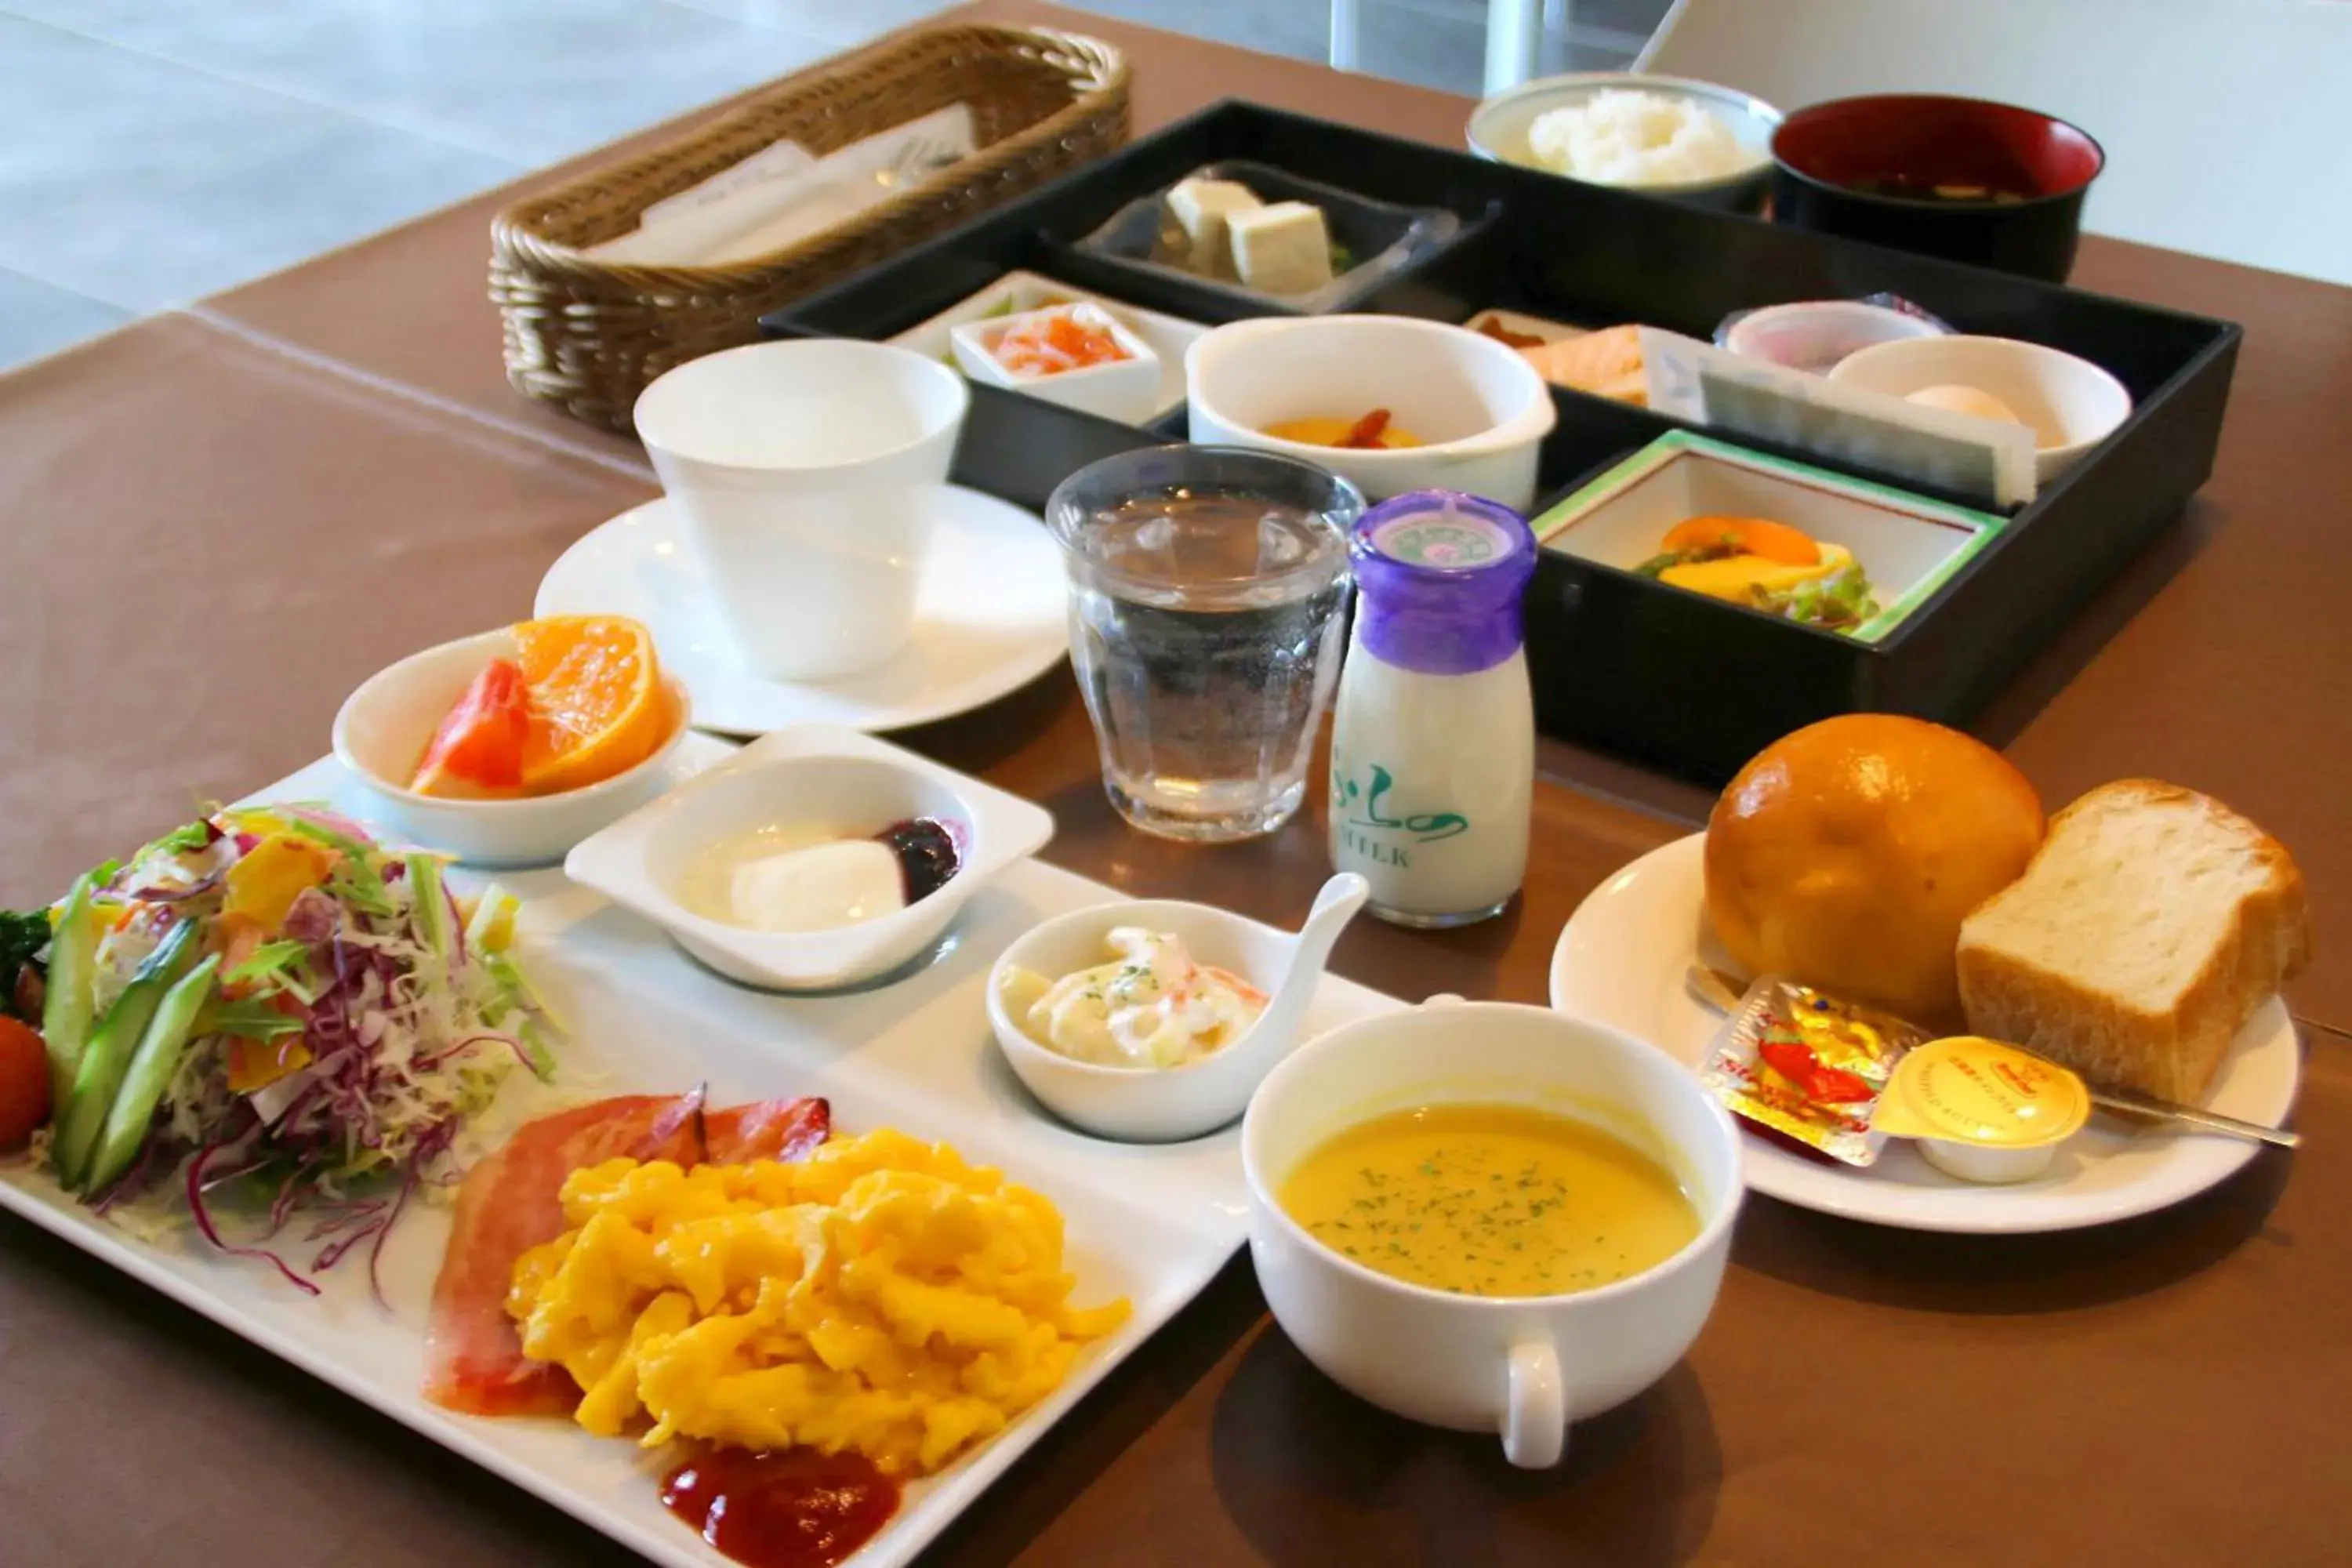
x: 1049, y: 346
x: 598, y: 706
x: 1369, y: 432
x: 477, y: 751
x: 1492, y: 326
x: 581, y: 701
x: 1743, y: 536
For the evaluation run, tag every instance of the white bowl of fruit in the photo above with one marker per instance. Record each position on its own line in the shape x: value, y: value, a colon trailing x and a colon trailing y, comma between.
x: 509, y: 747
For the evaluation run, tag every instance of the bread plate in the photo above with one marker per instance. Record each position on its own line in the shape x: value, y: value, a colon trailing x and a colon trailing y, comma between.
x: 1620, y: 962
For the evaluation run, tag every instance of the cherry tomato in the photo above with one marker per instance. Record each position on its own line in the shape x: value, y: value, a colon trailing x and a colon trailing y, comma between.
x: 23, y: 1083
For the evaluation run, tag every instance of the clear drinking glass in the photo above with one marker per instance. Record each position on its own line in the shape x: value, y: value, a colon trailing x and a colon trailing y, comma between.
x: 1207, y: 585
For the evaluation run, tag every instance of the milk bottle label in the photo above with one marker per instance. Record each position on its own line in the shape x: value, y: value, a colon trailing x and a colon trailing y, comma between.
x: 1368, y: 825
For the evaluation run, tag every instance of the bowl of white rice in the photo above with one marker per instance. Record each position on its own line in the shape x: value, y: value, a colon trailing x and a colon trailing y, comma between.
x: 1665, y: 136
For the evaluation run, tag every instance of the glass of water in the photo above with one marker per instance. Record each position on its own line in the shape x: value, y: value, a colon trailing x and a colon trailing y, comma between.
x: 1207, y: 586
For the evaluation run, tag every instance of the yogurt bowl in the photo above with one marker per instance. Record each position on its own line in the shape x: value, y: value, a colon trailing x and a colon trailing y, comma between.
x: 1479, y: 407
x: 1524, y: 1367
x: 382, y: 730
x: 741, y: 865
x: 1143, y: 1104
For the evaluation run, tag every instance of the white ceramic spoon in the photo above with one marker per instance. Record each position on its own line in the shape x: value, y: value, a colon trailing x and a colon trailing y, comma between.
x: 1157, y: 1105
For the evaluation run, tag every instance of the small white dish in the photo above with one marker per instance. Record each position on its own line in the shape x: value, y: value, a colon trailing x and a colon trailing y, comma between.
x: 991, y: 615
x: 1126, y: 390
x: 1168, y: 336
x: 1480, y: 406
x: 1622, y: 961
x: 380, y: 732
x: 2071, y: 403
x: 1816, y: 335
x: 1161, y: 1105
x: 806, y: 474
x: 1523, y: 1366
x: 818, y: 776
x: 1500, y: 126
x: 1909, y: 546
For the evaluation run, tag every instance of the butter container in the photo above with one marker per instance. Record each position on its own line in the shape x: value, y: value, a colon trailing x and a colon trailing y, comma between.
x: 1981, y: 1110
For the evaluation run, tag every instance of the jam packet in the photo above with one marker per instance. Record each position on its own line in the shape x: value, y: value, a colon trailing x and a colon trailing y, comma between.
x: 1808, y: 1067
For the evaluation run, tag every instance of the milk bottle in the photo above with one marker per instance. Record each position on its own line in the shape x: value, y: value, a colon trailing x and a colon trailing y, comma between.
x: 1433, y: 752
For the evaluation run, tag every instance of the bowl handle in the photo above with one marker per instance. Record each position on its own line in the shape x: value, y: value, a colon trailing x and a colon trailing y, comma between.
x: 1535, y: 1407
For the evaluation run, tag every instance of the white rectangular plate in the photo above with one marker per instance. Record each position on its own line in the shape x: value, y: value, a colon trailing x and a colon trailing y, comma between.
x: 1149, y: 1223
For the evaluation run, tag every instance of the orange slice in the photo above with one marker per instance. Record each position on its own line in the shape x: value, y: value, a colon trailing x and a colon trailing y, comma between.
x: 598, y: 706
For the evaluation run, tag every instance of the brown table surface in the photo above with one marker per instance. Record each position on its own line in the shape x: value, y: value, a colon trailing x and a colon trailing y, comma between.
x: 218, y: 522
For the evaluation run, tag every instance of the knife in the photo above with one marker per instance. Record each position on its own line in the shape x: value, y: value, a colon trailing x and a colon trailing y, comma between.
x: 1722, y: 993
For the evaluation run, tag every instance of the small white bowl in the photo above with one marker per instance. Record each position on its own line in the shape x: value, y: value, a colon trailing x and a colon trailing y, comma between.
x: 2071, y: 403
x: 1482, y: 408
x: 1168, y: 336
x: 1815, y: 335
x: 380, y: 732
x: 1499, y: 127
x: 819, y: 776
x: 1523, y: 1366
x: 1127, y: 390
x: 1160, y: 1105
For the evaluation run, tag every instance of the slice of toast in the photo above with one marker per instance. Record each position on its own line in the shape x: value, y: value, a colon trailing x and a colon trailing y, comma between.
x: 2146, y: 930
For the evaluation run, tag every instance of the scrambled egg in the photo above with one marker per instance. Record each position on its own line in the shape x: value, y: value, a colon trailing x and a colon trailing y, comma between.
x: 880, y: 1296
x: 1738, y: 577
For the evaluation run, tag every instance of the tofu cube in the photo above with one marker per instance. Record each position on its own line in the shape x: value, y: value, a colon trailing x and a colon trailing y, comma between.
x: 1201, y: 209
x: 1283, y: 249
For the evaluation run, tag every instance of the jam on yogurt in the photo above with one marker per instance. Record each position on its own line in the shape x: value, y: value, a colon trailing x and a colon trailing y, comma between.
x: 807, y: 880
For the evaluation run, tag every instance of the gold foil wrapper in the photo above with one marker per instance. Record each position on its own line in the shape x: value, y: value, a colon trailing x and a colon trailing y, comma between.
x: 1808, y: 1066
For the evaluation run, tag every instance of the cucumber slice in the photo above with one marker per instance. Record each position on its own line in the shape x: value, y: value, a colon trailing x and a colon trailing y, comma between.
x: 434, y: 919
x: 108, y: 1056
x: 64, y: 1014
x: 150, y: 1074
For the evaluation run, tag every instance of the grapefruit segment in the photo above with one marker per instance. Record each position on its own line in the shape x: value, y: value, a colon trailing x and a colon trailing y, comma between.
x: 478, y: 752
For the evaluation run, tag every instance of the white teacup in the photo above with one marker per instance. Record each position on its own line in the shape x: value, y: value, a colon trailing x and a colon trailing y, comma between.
x: 807, y: 475
x: 1525, y: 1366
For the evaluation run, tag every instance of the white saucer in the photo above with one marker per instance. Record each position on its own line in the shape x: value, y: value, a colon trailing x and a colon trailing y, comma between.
x: 989, y: 617
x: 1621, y: 961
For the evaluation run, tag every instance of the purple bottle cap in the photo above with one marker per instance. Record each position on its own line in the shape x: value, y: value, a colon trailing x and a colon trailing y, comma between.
x: 1439, y: 578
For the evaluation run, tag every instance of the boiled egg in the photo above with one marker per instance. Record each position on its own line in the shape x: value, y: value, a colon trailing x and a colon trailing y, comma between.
x: 1972, y: 401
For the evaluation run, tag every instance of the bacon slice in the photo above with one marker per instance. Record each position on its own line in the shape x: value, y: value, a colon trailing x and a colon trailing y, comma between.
x: 512, y: 1202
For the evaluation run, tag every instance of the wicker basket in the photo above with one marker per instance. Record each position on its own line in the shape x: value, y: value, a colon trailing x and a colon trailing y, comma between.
x: 589, y: 335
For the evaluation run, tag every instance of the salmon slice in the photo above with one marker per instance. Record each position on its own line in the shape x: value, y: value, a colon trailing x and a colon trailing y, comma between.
x: 513, y: 1201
